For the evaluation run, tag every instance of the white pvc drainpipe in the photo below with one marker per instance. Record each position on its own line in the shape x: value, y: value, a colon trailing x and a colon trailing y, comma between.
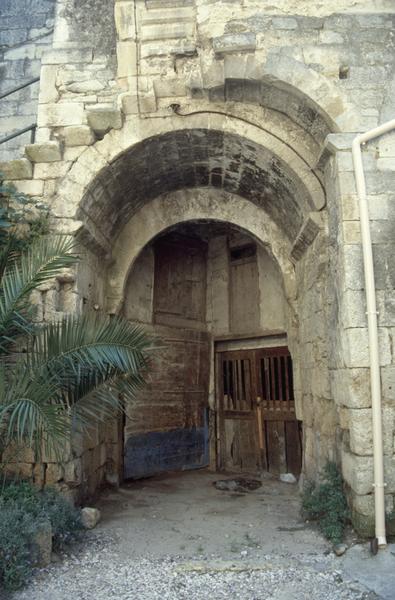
x: 375, y: 385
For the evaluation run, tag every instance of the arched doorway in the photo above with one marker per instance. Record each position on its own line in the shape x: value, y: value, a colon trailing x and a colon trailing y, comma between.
x: 220, y: 391
x: 232, y: 173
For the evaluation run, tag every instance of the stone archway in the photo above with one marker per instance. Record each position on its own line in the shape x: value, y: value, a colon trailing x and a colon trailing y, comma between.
x: 139, y: 181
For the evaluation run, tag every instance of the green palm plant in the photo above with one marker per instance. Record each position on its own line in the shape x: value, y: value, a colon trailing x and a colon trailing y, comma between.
x: 71, y: 373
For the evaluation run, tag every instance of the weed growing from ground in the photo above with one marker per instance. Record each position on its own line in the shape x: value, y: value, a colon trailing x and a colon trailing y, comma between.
x: 326, y: 503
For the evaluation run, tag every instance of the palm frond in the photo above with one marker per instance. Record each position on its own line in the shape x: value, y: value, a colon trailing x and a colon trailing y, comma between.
x: 30, y: 412
x: 44, y: 260
x: 83, y: 365
x: 80, y: 344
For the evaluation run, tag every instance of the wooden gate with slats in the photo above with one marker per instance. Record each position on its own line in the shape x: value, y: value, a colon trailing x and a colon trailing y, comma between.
x: 258, y: 428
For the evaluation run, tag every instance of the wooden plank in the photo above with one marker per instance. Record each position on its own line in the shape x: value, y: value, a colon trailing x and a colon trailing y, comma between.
x: 244, y: 308
x: 276, y: 446
x: 293, y: 448
x: 273, y: 397
x: 219, y: 379
x: 248, y: 447
x: 287, y: 394
x: 278, y: 415
x: 236, y: 405
x: 247, y: 383
x: 240, y: 391
x: 280, y: 378
x: 226, y: 364
x: 239, y: 414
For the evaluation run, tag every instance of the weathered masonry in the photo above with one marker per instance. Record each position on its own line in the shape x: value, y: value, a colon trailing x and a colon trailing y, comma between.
x: 201, y: 153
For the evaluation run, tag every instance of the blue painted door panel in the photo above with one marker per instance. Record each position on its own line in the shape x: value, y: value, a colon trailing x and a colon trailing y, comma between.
x: 158, y: 451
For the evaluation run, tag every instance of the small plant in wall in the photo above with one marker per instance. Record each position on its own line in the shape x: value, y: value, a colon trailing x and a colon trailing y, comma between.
x: 326, y: 503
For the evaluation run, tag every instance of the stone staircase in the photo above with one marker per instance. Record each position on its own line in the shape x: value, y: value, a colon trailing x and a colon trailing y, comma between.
x: 23, y: 37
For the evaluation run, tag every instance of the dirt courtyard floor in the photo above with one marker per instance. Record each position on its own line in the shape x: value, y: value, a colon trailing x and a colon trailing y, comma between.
x: 177, y: 537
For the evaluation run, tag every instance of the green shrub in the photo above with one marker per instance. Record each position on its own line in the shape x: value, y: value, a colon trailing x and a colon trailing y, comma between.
x: 327, y: 504
x: 23, y: 510
x: 17, y: 529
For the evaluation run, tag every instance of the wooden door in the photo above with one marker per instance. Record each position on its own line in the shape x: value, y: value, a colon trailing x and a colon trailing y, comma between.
x: 258, y: 428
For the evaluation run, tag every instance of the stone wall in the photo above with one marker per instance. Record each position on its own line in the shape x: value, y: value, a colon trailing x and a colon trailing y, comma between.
x: 271, y: 98
x: 350, y: 360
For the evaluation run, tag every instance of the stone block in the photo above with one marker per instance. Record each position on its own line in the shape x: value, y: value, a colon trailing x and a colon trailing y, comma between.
x: 384, y: 266
x: 77, y: 135
x: 14, y: 453
x: 51, y: 170
x: 41, y: 549
x: 358, y: 472
x: 85, y: 87
x: 39, y: 475
x: 62, y: 114
x: 360, y: 424
x: 387, y: 146
x: 388, y: 383
x: 53, y: 473
x: 331, y: 37
x: 284, y: 23
x: 20, y: 168
x: 90, y: 517
x: 124, y: 20
x: 56, y: 56
x: 166, y: 88
x: 349, y: 207
x: 344, y: 161
x: 353, y: 308
x: 73, y: 472
x: 380, y: 206
x: 48, y: 152
x: 171, y: 15
x: 48, y: 90
x: 20, y: 470
x: 351, y: 387
x: 148, y: 103
x: 181, y: 47
x: 382, y: 231
x: 356, y: 352
x: 364, y: 505
x: 27, y: 51
x: 364, y: 525
x: 43, y: 134
x: 102, y: 119
x: 73, y: 153
x: 214, y: 76
x: 386, y: 164
x: 129, y: 103
x: 389, y: 473
x: 127, y: 59
x: 152, y: 4
x: 171, y: 31
x: 234, y: 42
x: 31, y: 187
x: 347, y: 183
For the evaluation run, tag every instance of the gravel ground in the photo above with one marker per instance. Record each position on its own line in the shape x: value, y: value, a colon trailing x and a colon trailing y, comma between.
x: 177, y: 537
x: 98, y: 572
